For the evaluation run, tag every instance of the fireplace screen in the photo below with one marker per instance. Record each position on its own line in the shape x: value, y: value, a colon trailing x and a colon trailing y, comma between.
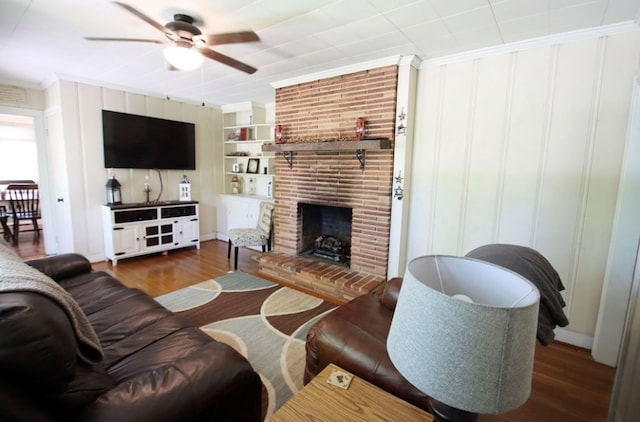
x: 326, y: 232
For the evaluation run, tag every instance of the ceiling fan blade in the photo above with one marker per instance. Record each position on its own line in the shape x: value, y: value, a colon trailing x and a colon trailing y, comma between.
x: 142, y: 16
x: 214, y: 55
x: 125, y: 39
x: 232, y: 37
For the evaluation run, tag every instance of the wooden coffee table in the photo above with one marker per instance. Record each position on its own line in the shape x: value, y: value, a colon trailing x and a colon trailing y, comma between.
x: 362, y: 401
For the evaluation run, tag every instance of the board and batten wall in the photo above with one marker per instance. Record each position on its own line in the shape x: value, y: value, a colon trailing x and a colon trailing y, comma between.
x: 526, y: 147
x: 74, y: 121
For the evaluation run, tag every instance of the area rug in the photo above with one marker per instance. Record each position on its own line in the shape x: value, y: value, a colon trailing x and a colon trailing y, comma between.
x: 264, y: 321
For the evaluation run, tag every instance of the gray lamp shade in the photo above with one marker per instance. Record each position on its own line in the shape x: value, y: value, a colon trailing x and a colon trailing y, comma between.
x: 474, y: 356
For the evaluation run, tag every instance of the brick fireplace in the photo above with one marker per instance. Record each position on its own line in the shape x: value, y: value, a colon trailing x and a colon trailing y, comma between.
x: 326, y: 111
x: 336, y: 180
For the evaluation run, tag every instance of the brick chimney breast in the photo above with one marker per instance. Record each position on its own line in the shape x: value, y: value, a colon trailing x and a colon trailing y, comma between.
x: 325, y: 110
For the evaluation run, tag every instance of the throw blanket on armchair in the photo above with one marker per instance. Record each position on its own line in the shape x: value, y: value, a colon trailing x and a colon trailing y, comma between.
x: 16, y: 276
x: 534, y: 267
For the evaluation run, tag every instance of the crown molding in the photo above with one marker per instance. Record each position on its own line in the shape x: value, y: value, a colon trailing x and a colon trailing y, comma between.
x: 241, y: 106
x: 61, y: 77
x: 339, y: 71
x: 546, y: 41
x: 413, y: 61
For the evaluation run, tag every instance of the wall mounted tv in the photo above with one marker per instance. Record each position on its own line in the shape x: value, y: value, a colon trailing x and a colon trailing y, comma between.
x: 139, y: 142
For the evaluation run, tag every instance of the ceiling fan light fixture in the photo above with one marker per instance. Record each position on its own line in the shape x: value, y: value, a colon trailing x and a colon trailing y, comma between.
x: 183, y: 57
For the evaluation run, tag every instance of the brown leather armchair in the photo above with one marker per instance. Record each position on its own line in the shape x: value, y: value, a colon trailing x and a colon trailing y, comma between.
x: 354, y: 337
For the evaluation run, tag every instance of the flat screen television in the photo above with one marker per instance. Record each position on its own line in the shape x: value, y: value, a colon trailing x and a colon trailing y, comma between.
x: 139, y: 142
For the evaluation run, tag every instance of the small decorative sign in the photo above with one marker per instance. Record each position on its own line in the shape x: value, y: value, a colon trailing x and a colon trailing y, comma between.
x: 340, y: 379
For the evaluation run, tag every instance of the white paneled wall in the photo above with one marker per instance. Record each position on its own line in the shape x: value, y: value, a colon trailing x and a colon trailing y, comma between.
x: 77, y: 108
x: 526, y: 148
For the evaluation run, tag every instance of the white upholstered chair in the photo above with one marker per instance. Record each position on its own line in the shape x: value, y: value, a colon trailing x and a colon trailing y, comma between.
x: 258, y: 236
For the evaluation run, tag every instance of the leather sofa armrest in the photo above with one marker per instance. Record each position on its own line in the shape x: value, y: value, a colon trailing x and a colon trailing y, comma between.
x: 62, y: 266
x: 389, y: 296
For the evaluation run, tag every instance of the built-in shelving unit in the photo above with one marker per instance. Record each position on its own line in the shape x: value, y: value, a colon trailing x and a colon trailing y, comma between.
x: 245, y: 132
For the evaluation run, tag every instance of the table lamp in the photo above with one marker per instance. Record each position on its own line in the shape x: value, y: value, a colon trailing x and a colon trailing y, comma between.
x: 464, y: 332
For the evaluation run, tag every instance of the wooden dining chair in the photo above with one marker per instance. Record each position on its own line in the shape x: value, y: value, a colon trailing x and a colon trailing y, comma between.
x: 24, y: 204
x: 4, y: 218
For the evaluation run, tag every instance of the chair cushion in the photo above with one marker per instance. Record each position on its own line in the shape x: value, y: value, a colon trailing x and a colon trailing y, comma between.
x: 248, y: 237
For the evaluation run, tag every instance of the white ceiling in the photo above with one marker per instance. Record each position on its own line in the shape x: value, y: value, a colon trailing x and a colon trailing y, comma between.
x: 41, y: 40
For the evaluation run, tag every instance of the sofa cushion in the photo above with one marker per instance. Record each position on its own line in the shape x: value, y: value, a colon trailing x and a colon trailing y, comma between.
x: 37, y: 338
x: 16, y: 276
x: 88, y: 383
x: 59, y: 267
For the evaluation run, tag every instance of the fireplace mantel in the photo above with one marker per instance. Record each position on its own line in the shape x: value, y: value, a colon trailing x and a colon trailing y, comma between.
x: 359, y: 147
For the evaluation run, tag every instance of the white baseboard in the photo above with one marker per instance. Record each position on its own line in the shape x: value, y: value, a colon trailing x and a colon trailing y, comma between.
x: 96, y: 258
x: 210, y: 236
x: 576, y: 339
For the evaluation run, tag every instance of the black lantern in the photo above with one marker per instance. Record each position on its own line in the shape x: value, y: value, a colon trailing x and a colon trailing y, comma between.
x: 113, y: 191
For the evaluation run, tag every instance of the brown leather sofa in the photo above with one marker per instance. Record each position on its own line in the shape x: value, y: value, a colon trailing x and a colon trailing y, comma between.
x: 354, y: 336
x: 149, y: 364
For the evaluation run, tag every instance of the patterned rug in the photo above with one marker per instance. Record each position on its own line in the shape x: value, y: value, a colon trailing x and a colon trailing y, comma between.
x: 266, y: 322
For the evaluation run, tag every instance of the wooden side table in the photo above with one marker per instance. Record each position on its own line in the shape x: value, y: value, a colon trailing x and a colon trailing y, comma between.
x: 362, y: 401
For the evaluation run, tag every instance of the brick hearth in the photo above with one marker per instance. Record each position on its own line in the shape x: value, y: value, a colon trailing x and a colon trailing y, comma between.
x: 324, y: 279
x: 321, y: 111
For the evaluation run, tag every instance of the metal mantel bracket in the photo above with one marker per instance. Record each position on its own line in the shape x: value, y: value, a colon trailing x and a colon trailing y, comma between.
x: 360, y: 155
x: 288, y: 155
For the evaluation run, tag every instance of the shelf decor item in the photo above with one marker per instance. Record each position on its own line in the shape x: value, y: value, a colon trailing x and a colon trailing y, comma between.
x: 244, y: 134
x: 251, y: 190
x: 114, y: 196
x: 184, y: 188
x: 147, y: 188
x: 253, y: 165
x: 278, y: 135
x: 359, y: 128
x: 235, y: 185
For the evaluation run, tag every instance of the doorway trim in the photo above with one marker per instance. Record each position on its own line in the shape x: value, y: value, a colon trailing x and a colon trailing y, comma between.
x: 623, y: 250
x: 48, y: 228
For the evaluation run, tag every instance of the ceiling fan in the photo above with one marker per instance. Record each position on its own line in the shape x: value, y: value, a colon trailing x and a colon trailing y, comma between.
x: 187, y: 40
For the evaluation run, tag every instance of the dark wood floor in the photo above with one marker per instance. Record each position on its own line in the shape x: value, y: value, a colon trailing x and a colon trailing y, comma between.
x: 567, y: 384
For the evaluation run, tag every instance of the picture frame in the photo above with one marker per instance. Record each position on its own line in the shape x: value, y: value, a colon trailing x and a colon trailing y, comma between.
x: 253, y: 165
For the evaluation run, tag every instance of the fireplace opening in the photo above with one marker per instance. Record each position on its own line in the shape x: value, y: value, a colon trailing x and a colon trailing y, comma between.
x: 326, y: 232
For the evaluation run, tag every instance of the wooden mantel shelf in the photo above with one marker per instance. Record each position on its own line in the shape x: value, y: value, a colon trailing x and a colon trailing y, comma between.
x: 359, y: 147
x: 370, y: 144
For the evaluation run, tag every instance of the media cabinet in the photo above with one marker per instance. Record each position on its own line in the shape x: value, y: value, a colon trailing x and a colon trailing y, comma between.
x: 138, y: 229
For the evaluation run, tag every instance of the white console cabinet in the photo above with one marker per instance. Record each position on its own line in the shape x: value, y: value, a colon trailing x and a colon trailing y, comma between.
x: 138, y: 229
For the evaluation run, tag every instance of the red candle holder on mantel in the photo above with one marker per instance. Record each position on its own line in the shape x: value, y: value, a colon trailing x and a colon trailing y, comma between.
x: 359, y: 128
x: 279, y: 134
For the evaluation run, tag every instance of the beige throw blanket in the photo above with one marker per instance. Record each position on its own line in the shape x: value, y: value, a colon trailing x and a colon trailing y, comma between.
x: 16, y: 276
